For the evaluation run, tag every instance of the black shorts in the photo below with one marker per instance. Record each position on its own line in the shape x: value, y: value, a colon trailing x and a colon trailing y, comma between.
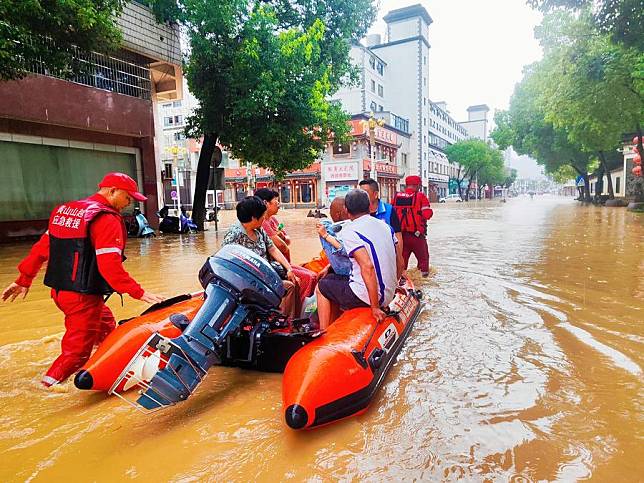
x: 336, y: 288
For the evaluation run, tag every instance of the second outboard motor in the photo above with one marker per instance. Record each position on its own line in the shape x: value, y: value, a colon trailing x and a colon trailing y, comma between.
x: 237, y: 282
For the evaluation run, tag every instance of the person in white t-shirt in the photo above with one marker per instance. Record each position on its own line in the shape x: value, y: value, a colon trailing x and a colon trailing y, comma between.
x: 371, y: 246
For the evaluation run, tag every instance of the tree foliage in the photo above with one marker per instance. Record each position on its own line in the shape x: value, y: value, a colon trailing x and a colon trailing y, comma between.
x: 263, y: 71
x: 623, y: 20
x: 476, y: 160
x: 573, y: 107
x: 46, y: 32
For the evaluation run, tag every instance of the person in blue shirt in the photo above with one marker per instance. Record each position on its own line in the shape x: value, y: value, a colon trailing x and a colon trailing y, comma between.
x: 329, y: 231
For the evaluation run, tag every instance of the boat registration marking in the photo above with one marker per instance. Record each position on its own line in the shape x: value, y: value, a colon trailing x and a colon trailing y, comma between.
x: 388, y: 337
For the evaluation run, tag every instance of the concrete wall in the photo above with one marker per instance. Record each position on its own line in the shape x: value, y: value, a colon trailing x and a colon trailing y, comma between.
x: 142, y: 34
x: 403, y: 29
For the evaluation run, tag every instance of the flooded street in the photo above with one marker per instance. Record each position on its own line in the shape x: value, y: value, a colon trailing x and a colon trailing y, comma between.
x: 526, y: 365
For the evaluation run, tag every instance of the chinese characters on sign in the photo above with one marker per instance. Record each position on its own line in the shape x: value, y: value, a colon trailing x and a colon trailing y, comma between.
x: 381, y: 168
x: 340, y: 171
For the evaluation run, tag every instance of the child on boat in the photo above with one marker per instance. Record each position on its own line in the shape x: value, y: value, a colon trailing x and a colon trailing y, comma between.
x: 331, y: 243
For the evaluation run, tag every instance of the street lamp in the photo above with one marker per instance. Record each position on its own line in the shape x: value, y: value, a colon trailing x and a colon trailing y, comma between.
x: 371, y: 124
x: 175, y: 151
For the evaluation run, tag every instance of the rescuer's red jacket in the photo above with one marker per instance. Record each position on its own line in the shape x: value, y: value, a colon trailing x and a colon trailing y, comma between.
x: 413, y: 210
x: 107, y: 237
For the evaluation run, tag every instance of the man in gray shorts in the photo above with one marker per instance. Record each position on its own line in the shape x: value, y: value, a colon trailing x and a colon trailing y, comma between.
x: 371, y: 246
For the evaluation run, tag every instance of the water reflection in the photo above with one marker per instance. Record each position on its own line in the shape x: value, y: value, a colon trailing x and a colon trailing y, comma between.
x: 525, y: 366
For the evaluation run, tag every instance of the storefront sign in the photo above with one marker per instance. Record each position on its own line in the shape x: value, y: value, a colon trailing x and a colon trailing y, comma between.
x: 381, y: 168
x: 340, y: 171
x: 381, y: 133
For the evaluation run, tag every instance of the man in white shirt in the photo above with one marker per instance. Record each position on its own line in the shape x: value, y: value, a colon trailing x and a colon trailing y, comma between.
x: 371, y: 246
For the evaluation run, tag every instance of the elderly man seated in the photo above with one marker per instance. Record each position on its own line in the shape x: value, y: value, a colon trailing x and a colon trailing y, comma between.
x: 371, y: 247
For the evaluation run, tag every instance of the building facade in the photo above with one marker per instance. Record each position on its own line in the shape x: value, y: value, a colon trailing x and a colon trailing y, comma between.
x: 477, y: 123
x: 406, y: 54
x: 443, y: 130
x: 59, y: 137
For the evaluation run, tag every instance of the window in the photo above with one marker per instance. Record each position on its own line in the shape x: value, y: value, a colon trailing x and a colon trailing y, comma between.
x: 373, y: 85
x: 380, y: 108
x: 341, y: 148
x: 178, y: 119
x: 381, y: 90
x: 168, y: 121
x: 381, y: 68
x: 425, y: 81
x: 424, y: 59
x: 403, y: 158
x: 424, y: 121
x: 179, y: 136
x: 372, y: 62
x: 166, y: 106
x: 617, y: 184
x: 373, y: 106
x: 176, y: 103
x: 167, y: 172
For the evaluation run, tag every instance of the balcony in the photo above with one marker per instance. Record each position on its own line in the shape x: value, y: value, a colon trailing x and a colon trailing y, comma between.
x: 119, y: 75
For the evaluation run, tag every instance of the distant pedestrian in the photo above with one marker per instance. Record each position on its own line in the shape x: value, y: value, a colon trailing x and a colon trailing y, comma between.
x: 84, y: 246
x: 414, y: 211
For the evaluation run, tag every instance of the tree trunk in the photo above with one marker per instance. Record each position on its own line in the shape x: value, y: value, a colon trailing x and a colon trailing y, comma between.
x: 201, y: 183
x: 611, y: 192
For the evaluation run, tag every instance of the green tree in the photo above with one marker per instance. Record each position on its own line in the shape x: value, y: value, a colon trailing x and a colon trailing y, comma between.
x: 262, y: 72
x: 524, y: 127
x: 623, y: 20
x: 510, y: 177
x: 593, y: 90
x: 47, y: 33
x: 475, y: 159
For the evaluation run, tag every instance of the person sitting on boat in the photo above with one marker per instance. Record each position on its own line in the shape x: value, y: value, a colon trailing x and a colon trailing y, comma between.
x: 331, y: 244
x: 248, y: 232
x: 383, y: 211
x: 307, y: 278
x: 374, y: 269
x: 271, y: 224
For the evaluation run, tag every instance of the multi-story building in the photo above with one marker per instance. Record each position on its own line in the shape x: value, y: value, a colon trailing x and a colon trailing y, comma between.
x: 405, y: 53
x: 58, y: 137
x: 477, y: 122
x: 443, y: 130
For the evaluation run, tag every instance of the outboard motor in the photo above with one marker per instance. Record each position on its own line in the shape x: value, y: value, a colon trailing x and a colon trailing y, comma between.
x: 238, y: 282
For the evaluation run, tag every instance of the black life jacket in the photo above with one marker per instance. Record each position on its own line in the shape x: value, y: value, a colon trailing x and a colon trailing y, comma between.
x: 72, y: 257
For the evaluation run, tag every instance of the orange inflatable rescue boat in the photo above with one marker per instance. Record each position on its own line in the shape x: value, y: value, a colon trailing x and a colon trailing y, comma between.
x: 328, y: 375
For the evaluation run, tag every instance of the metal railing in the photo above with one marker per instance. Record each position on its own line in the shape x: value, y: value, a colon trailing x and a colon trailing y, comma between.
x: 102, y: 72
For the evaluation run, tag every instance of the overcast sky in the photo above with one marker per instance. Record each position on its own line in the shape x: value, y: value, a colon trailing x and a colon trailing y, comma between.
x: 478, y: 50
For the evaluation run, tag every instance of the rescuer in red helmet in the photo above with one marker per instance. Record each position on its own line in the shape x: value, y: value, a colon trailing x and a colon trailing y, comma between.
x: 413, y: 210
x: 84, y: 245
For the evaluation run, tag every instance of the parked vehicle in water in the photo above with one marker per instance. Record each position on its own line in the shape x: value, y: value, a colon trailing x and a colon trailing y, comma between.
x: 138, y: 226
x: 174, y: 224
x: 449, y: 198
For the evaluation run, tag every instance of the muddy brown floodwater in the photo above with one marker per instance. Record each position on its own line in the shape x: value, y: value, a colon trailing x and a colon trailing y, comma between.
x: 526, y: 365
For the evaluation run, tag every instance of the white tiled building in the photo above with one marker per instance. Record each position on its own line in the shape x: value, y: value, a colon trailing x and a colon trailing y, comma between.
x: 394, y: 77
x: 443, y: 130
